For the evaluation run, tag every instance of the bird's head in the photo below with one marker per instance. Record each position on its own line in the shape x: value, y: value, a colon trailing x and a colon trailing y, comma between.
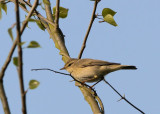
x: 69, y: 65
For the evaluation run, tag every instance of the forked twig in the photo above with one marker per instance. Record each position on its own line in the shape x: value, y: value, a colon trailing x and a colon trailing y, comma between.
x: 123, y: 97
x: 4, y: 67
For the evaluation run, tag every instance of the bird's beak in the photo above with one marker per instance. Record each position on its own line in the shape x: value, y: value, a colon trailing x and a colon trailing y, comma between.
x: 63, y: 68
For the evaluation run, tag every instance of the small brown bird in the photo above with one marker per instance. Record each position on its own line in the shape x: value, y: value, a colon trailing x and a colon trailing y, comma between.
x: 91, y: 70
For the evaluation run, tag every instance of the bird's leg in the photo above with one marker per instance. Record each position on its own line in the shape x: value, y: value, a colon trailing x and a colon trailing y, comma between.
x: 97, y: 82
x: 83, y: 83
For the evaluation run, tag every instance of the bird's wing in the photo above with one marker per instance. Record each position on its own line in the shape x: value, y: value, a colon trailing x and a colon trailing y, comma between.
x: 92, y: 62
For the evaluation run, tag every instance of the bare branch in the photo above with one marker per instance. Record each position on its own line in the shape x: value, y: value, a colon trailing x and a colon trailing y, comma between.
x: 51, y: 70
x: 89, y: 28
x: 123, y: 97
x: 4, y: 98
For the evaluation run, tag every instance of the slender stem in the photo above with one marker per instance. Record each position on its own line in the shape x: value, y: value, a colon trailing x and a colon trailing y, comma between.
x: 123, y: 97
x: 20, y: 59
x: 33, y: 8
x: 51, y: 70
x: 57, y: 14
x: 88, y: 31
x: 4, y: 98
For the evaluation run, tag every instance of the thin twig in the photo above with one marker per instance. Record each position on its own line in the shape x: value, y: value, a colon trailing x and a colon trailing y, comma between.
x: 66, y: 74
x: 89, y: 28
x: 123, y: 97
x: 29, y: 15
x: 59, y: 73
x: 57, y: 14
x: 20, y: 59
x: 51, y: 70
x: 13, y: 25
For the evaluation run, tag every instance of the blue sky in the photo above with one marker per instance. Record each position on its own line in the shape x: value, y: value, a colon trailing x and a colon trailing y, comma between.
x: 134, y: 42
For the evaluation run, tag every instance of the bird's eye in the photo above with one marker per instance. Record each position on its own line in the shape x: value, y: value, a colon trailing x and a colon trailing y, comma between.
x: 70, y: 64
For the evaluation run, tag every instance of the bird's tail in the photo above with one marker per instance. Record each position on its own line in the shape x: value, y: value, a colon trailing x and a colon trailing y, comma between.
x: 129, y: 67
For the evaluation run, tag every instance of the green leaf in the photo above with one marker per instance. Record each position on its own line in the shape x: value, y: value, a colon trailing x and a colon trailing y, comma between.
x: 109, y: 19
x: 4, y: 7
x: 10, y: 33
x: 40, y: 25
x: 107, y: 11
x: 32, y: 20
x: 33, y: 44
x: 33, y: 84
x: 46, y: 2
x: 22, y: 43
x: 63, y: 12
x: 15, y: 61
